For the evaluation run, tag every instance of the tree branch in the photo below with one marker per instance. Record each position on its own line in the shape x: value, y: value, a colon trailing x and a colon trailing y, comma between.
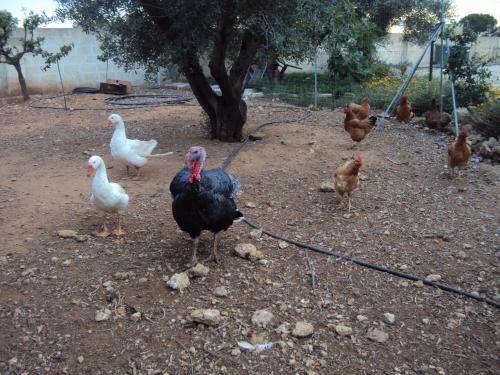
x: 217, y: 61
x: 248, y: 49
x: 193, y: 71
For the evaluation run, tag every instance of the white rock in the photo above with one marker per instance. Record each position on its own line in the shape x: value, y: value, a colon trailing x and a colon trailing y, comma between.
x: 303, y: 329
x: 378, y: 336
x: 327, y: 186
x: 343, y: 330
x: 67, y: 262
x: 199, y: 270
x: 283, y: 244
x: 67, y: 233
x: 136, y: 316
x: 262, y: 318
x: 256, y: 233
x: 80, y: 359
x: 250, y: 205
x: 221, y: 291
x: 248, y: 251
x: 210, y: 317
x: 283, y: 329
x: 433, y: 277
x: 362, y: 318
x: 120, y: 275
x: 102, y: 315
x: 179, y: 281
x: 389, y: 318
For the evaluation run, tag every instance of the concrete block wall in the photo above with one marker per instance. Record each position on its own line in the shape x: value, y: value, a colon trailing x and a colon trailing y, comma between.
x: 80, y: 68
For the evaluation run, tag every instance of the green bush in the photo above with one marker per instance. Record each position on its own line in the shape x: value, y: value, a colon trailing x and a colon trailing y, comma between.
x: 486, y: 119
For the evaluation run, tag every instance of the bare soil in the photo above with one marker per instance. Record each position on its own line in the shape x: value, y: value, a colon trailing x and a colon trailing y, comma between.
x: 408, y: 214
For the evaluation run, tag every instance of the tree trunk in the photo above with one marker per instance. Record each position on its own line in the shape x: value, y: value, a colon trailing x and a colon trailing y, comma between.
x: 22, y: 81
x: 230, y: 118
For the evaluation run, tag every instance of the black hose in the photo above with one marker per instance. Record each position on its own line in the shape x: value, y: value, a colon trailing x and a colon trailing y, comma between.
x: 325, y: 251
x: 85, y: 90
x: 131, y: 105
x: 376, y: 267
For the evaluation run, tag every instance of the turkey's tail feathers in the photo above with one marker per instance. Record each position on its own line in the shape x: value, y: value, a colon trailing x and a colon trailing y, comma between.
x: 239, y: 216
x: 160, y: 155
x: 236, y: 185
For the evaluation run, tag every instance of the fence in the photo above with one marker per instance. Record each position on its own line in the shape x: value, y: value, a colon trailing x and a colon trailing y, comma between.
x: 83, y: 68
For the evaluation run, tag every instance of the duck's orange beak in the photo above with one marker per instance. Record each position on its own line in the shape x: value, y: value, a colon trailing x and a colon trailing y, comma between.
x: 110, y: 123
x: 90, y: 171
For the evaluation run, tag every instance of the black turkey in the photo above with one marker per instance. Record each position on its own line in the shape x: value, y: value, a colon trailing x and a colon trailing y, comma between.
x: 203, y: 200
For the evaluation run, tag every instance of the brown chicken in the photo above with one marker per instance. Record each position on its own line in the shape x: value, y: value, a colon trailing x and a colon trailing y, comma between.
x: 357, y: 129
x: 432, y: 116
x: 403, y: 110
x: 459, y: 153
x: 361, y: 110
x: 346, y: 178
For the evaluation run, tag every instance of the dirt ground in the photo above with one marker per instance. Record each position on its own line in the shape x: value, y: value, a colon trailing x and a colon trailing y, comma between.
x: 408, y: 215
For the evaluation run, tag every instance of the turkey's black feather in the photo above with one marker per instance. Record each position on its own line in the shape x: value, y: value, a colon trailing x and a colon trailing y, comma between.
x: 204, y: 205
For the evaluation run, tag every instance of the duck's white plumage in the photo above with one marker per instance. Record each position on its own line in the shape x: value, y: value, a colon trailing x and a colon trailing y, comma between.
x: 106, y: 196
x: 133, y: 152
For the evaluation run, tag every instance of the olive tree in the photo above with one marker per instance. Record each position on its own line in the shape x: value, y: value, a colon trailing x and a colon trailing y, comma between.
x: 225, y: 33
x: 11, y: 53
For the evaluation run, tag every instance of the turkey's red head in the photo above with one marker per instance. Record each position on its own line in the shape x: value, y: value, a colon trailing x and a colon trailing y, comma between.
x: 195, y: 160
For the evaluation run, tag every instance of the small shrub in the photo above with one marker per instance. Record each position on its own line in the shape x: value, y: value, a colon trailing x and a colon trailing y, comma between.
x: 486, y: 118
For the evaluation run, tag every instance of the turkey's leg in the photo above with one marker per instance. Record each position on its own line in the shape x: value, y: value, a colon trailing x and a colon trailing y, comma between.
x: 194, y: 259
x: 214, y: 256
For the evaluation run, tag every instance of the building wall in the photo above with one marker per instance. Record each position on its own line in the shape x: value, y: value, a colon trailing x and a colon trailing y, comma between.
x: 80, y: 68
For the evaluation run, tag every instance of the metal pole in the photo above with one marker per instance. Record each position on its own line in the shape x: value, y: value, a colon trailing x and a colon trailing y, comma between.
x: 453, y: 96
x: 316, y: 79
x: 431, y: 61
x: 405, y: 84
x: 62, y: 86
x: 441, y: 63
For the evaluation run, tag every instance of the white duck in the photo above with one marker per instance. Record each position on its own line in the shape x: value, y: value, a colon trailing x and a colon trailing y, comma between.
x: 107, y: 197
x: 133, y: 152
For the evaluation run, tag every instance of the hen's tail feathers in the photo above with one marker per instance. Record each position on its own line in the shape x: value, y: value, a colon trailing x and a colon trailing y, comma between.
x: 160, y: 155
x: 373, y: 120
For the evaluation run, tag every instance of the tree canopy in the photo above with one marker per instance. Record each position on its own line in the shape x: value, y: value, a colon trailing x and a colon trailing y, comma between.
x: 226, y: 33
x: 479, y: 22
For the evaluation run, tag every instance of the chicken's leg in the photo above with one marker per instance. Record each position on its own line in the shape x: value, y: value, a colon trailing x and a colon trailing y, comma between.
x: 214, y: 256
x: 349, y: 202
x: 194, y: 259
x: 104, y: 230
x: 138, y: 171
x: 128, y: 170
x: 452, y: 173
x: 119, y: 231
